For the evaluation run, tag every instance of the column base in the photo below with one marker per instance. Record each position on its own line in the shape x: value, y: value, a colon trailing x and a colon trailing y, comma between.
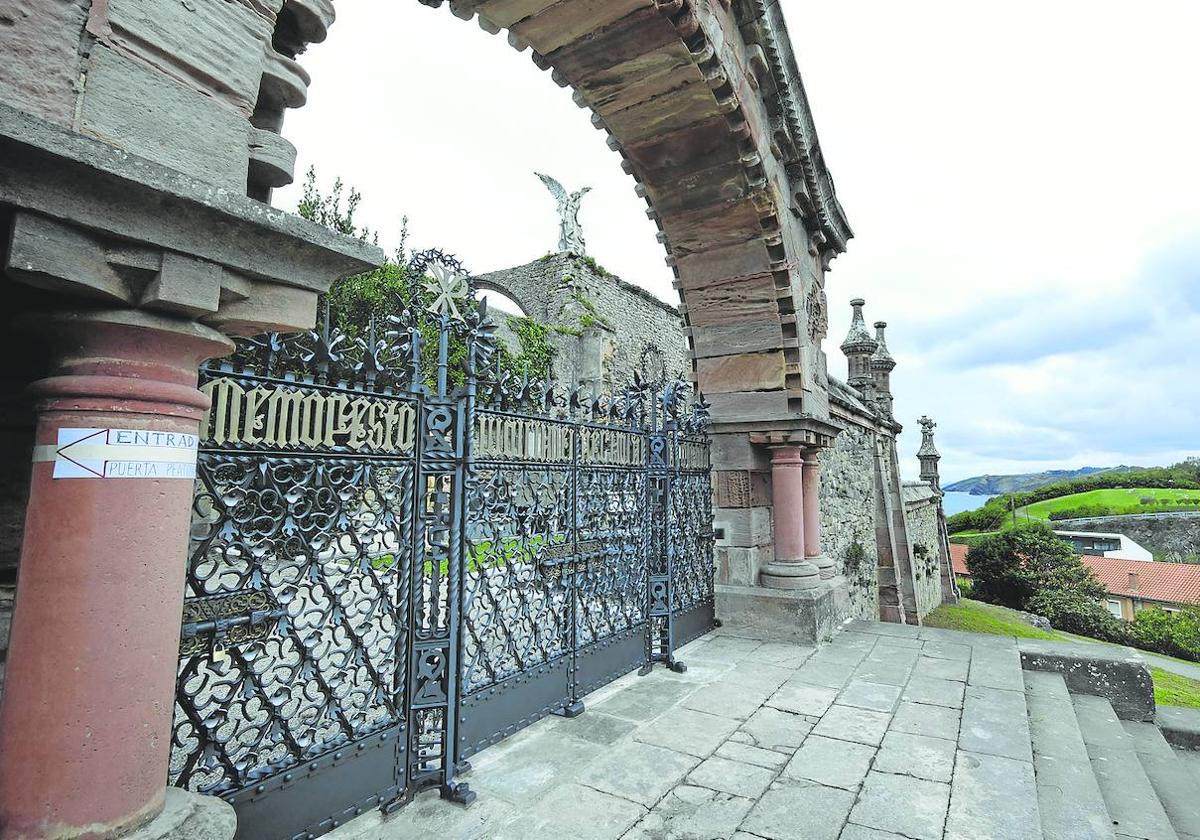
x: 825, y: 566
x: 806, y: 616
x: 190, y: 816
x: 790, y: 574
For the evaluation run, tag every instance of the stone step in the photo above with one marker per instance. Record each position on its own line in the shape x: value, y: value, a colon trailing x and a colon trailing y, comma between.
x: 1176, y: 788
x: 1181, y: 727
x: 1131, y: 799
x: 1190, y: 761
x: 1069, y: 798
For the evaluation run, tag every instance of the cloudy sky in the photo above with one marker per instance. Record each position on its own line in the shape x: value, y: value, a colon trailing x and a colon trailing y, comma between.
x: 1023, y: 181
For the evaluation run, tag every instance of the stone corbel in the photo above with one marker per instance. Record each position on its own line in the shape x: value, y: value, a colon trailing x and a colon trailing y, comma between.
x: 63, y: 259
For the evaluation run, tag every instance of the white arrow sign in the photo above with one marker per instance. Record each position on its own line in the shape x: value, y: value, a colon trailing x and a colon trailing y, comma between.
x: 121, y: 453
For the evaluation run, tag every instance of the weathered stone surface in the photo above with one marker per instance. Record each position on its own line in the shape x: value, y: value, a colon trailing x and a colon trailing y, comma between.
x: 847, y: 723
x: 1181, y: 727
x: 935, y: 692
x: 688, y: 731
x: 993, y: 797
x: 916, y: 755
x: 839, y: 764
x: 747, y: 754
x: 1120, y: 676
x: 559, y: 24
x: 128, y: 105
x: 995, y: 722
x: 732, y: 777
x: 536, y: 764
x: 52, y: 171
x: 878, y: 697
x: 572, y: 810
x: 568, y: 291
x: 690, y: 811
x: 190, y: 816
x: 218, y: 48
x: 638, y: 772
x: 801, y: 616
x: 747, y: 372
x: 995, y: 669
x: 915, y: 808
x: 184, y: 285
x: 777, y: 730
x: 824, y: 809
x: 941, y: 669
x: 41, y: 56
x: 811, y: 700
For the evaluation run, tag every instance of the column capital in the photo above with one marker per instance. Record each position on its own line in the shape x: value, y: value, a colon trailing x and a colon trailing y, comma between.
x: 122, y: 361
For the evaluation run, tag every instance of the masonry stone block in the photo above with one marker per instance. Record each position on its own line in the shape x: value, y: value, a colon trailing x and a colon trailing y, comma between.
x: 745, y: 372
x: 40, y: 68
x: 802, y: 616
x: 185, y: 285
x: 1119, y: 675
x: 217, y: 47
x: 135, y: 108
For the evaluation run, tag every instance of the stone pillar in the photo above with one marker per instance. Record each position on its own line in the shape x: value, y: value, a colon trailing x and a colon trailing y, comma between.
x: 790, y: 569
x: 812, y: 516
x: 85, y: 721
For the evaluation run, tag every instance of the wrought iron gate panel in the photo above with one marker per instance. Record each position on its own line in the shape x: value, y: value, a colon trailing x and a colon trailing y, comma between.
x: 691, y: 539
x: 386, y: 577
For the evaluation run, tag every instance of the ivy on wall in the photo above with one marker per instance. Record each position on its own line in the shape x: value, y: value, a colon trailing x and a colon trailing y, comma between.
x: 353, y: 301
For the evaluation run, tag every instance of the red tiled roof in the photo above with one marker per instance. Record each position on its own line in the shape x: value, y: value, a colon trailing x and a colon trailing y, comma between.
x: 1172, y: 583
x: 958, y: 558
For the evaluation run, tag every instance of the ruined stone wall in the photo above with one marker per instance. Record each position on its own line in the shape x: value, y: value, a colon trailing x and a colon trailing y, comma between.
x: 601, y: 325
x: 923, y: 534
x: 848, y: 504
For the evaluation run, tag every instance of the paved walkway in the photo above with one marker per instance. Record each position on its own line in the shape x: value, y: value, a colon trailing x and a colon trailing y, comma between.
x: 888, y: 732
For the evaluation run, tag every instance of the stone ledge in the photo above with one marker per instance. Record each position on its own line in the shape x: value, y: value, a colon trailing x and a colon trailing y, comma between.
x: 190, y: 816
x: 1119, y: 675
x: 803, y: 616
x: 65, y: 175
x: 1181, y: 727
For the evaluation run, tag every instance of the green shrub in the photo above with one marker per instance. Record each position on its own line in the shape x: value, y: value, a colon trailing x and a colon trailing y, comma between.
x: 1171, y: 633
x: 1077, y: 612
x: 1011, y: 567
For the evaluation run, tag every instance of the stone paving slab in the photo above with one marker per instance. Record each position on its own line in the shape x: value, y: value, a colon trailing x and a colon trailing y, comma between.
x: 993, y: 797
x: 914, y: 807
x: 890, y: 732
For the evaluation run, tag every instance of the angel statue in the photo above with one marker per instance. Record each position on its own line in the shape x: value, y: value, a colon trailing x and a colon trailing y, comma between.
x: 570, y: 233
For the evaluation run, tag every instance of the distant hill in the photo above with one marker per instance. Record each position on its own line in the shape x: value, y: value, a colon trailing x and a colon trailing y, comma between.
x: 994, y: 485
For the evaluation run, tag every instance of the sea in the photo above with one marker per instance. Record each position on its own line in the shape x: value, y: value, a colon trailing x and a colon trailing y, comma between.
x: 958, y: 502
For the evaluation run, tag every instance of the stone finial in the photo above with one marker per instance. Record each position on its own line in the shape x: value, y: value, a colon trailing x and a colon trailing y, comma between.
x: 881, y: 365
x: 881, y: 359
x: 570, y: 232
x: 928, y: 454
x: 858, y: 348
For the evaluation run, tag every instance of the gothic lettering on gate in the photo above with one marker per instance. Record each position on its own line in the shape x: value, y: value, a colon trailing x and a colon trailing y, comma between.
x: 504, y: 437
x: 295, y: 418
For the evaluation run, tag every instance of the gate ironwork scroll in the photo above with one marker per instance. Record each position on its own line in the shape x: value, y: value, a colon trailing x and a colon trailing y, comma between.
x: 397, y: 561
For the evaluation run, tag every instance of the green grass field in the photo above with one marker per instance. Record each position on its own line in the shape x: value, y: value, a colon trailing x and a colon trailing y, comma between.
x: 1119, y: 500
x: 977, y: 617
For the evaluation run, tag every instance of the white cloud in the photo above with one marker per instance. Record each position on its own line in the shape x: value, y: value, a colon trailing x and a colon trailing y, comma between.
x: 1022, y: 180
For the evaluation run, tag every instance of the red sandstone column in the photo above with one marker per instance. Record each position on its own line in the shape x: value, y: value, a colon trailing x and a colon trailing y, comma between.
x: 789, y: 570
x: 85, y: 721
x: 812, y: 515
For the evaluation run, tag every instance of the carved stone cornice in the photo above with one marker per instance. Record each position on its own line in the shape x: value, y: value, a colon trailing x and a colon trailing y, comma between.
x: 796, y: 132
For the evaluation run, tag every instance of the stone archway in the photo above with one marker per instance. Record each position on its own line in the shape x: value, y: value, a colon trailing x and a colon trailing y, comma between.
x: 705, y: 105
x: 132, y: 146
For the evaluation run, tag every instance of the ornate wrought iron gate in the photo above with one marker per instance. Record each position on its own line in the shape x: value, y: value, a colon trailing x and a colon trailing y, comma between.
x: 390, y: 571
